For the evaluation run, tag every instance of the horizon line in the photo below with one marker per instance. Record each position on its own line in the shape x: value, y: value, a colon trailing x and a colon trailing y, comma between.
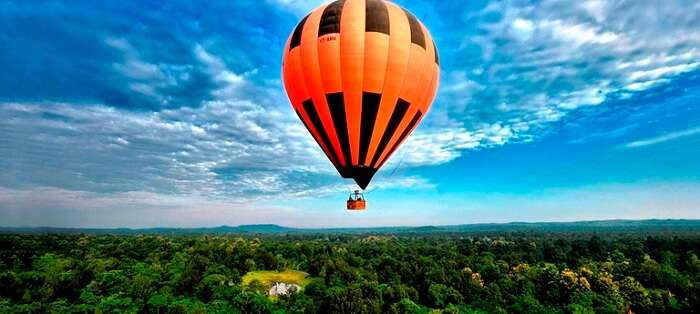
x: 358, y: 227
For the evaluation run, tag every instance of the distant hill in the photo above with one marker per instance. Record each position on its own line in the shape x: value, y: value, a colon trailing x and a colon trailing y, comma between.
x: 242, y: 229
x: 269, y: 228
x: 651, y: 225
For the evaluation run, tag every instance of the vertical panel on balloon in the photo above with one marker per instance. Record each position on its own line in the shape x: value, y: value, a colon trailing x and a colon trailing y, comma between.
x: 396, y: 117
x: 411, y: 91
x: 330, y: 19
x: 314, y: 83
x: 376, y: 45
x: 352, y: 38
x: 329, y: 47
x: 397, y: 64
x: 377, y: 31
x: 417, y: 36
x: 296, y: 35
x: 336, y: 105
x: 294, y: 78
x: 296, y: 87
x: 376, y: 56
x: 370, y: 106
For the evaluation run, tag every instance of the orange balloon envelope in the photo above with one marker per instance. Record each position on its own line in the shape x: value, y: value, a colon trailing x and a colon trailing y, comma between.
x: 360, y: 74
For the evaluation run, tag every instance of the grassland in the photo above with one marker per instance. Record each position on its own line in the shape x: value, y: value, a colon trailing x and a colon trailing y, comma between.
x: 268, y: 278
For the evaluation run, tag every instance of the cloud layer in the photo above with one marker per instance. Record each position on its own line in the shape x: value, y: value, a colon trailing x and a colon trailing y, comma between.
x: 518, y: 66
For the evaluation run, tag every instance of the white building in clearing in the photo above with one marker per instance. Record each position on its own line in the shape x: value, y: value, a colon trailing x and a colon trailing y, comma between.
x: 281, y: 288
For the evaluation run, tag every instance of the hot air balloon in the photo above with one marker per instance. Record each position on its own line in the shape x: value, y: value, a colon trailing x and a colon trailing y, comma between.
x: 360, y: 74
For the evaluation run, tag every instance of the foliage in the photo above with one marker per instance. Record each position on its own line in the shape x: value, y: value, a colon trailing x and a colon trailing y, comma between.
x: 520, y: 272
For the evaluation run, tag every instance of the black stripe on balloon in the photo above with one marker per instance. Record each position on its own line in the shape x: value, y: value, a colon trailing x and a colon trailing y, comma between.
x: 376, y: 17
x: 330, y: 19
x: 437, y: 59
x: 296, y: 36
x: 417, y: 36
x: 370, y: 107
x: 396, y: 117
x: 336, y: 105
x: 304, y: 121
x: 318, y: 125
x: 405, y: 132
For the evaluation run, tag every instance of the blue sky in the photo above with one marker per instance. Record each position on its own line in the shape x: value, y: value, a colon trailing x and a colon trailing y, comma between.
x: 129, y: 113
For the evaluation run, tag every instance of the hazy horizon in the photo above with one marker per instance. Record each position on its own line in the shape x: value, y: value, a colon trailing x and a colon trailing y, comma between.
x: 646, y: 220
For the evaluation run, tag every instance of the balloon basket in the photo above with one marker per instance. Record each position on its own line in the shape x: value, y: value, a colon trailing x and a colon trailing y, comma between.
x: 356, y: 202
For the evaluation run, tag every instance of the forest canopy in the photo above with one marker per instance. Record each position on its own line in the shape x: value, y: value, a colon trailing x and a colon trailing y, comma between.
x: 520, y: 272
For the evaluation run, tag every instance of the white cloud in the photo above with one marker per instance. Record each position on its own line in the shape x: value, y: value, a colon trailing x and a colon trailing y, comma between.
x: 523, y: 28
x: 435, y: 146
x: 148, y: 79
x: 229, y: 83
x: 584, y: 97
x: 596, y: 8
x: 577, y: 34
x: 661, y: 71
x: 537, y: 63
x: 178, y: 151
x: 663, y: 138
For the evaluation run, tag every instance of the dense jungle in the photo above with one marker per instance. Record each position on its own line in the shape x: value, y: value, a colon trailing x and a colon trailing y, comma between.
x: 482, y: 272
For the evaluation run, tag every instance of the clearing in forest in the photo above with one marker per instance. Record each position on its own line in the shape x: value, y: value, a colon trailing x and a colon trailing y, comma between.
x: 269, y: 277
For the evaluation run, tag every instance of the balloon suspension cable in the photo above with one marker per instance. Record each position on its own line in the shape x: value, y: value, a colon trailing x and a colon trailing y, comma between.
x: 398, y: 165
x: 391, y: 175
x: 350, y: 188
